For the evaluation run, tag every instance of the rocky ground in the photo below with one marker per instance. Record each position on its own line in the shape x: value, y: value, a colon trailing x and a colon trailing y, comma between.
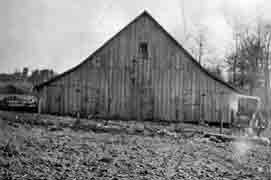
x: 50, y: 147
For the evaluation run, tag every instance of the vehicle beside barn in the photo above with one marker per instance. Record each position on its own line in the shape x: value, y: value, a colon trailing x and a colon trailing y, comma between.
x: 140, y: 73
x: 16, y: 97
x: 19, y: 102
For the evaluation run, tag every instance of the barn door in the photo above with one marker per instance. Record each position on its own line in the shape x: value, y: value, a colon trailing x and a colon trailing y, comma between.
x: 142, y: 91
x: 146, y: 91
x: 54, y: 99
x: 77, y: 102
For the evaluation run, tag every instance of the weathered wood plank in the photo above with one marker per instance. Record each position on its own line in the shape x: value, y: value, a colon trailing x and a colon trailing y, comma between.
x: 167, y: 86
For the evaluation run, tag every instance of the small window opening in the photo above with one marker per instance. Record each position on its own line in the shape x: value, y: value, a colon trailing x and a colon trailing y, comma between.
x: 143, y: 50
x: 96, y: 61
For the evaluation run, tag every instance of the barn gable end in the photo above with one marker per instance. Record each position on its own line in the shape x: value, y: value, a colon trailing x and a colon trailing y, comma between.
x: 140, y: 73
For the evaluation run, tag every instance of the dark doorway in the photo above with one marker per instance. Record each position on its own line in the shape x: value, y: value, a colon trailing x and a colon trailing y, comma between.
x: 143, y: 50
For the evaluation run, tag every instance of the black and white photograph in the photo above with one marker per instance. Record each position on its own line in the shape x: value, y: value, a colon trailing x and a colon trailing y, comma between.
x: 135, y: 90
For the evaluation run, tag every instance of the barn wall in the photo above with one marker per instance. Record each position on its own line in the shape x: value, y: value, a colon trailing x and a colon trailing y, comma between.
x: 116, y: 82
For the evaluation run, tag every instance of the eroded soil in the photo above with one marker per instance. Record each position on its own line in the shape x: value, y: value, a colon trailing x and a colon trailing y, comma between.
x: 51, y: 147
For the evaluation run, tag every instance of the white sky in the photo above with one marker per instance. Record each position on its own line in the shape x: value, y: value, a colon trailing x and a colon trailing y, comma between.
x: 59, y: 34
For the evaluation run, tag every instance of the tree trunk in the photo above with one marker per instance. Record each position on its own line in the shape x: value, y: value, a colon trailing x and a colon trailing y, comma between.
x: 234, y: 72
x: 266, y: 85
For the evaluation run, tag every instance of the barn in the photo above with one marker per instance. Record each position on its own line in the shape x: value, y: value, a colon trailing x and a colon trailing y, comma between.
x: 140, y: 73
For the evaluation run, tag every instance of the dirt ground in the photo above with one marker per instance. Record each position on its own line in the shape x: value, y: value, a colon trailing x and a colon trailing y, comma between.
x: 49, y: 147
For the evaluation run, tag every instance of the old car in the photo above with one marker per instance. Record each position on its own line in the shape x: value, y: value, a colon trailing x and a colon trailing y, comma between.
x: 246, y: 114
x: 19, y: 102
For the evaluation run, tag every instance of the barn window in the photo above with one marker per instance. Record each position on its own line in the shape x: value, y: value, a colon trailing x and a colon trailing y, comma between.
x: 96, y: 61
x: 143, y: 50
x: 77, y: 90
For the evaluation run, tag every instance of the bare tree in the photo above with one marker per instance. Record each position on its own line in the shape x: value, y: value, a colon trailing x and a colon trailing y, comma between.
x: 244, y: 62
x: 197, y: 42
x: 266, y: 44
x: 249, y: 61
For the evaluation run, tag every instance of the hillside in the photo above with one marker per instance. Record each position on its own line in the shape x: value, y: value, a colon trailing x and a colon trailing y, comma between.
x: 15, y: 87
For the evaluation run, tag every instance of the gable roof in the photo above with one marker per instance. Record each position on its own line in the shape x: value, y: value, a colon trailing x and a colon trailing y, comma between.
x: 144, y: 13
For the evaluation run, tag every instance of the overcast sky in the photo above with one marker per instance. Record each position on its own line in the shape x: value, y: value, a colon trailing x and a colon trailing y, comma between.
x: 58, y: 34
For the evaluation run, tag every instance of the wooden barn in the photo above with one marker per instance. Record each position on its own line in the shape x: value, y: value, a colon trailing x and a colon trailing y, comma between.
x: 140, y: 73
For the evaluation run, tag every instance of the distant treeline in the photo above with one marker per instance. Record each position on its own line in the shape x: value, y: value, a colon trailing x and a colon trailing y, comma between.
x: 22, y: 82
x: 35, y: 77
x: 14, y: 89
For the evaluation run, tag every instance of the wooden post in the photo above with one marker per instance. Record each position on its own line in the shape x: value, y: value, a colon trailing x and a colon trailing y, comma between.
x: 77, y: 121
x: 220, y: 113
x: 39, y: 105
x: 221, y: 122
x: 78, y: 116
x: 202, y: 118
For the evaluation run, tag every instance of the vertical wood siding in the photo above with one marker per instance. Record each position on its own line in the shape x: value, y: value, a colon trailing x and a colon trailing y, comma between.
x: 117, y: 82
